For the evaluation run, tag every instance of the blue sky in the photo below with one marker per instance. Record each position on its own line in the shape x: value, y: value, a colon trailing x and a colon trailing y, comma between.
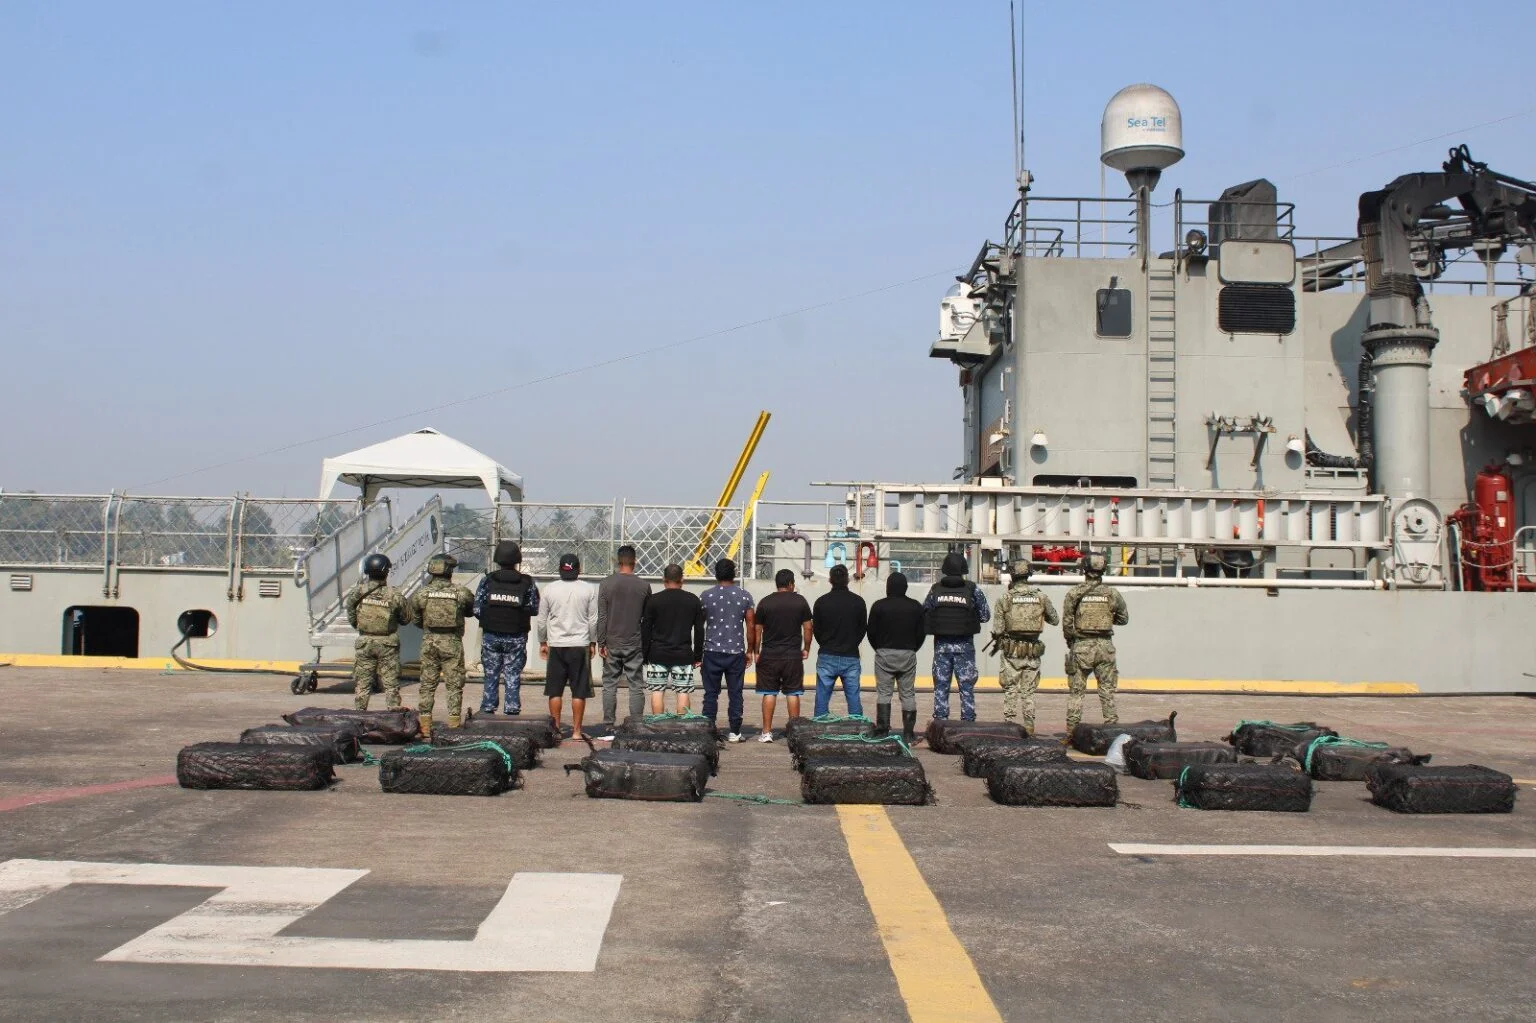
x: 230, y: 228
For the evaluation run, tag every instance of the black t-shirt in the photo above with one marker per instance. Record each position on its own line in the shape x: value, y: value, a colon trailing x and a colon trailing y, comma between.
x: 781, y: 614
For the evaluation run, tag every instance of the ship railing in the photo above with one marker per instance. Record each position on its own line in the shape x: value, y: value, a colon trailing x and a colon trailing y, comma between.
x: 1525, y: 557
x: 1335, y: 262
x: 1088, y: 226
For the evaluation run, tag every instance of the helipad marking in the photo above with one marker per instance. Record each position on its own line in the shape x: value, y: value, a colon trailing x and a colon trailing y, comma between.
x: 1140, y: 849
x: 543, y: 923
x: 56, y: 795
x: 937, y: 979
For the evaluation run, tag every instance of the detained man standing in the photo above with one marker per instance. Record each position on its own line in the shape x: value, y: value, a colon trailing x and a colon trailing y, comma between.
x: 671, y: 641
x: 956, y: 609
x: 896, y: 633
x: 620, y: 598
x: 783, y: 625
x: 567, y: 616
x: 840, y: 620
x: 730, y: 636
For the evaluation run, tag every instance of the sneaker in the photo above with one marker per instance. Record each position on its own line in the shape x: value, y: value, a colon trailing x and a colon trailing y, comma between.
x: 513, y: 711
x: 733, y: 737
x: 765, y: 737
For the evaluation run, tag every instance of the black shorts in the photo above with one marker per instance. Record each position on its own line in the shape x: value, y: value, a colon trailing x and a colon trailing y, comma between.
x: 568, y: 665
x: 777, y: 673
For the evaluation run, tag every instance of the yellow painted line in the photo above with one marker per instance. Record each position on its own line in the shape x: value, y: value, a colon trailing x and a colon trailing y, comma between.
x: 936, y: 977
x: 1525, y: 781
x: 137, y: 663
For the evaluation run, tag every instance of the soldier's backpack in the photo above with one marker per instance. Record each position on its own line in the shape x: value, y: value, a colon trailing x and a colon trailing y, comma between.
x: 977, y: 756
x: 1244, y: 787
x: 1095, y: 739
x: 1333, y: 758
x: 1409, y: 788
x: 1165, y: 760
x: 632, y: 774
x: 521, y: 748
x: 943, y: 733
x: 1023, y: 612
x: 343, y: 740
x: 834, y: 747
x: 705, y: 746
x: 1095, y: 612
x: 801, y: 728
x: 246, y: 765
x: 870, y: 778
x: 541, y: 729
x: 383, y: 727
x: 447, y: 771
x: 1268, y: 739
x: 440, y: 608
x: 1013, y: 783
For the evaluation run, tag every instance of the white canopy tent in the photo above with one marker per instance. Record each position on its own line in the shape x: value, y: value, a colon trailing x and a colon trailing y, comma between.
x: 426, y: 459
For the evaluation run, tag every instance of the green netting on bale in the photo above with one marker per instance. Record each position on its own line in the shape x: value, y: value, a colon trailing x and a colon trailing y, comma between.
x: 879, y: 740
x: 468, y: 747
x: 690, y: 716
x: 1335, y: 740
x: 832, y: 719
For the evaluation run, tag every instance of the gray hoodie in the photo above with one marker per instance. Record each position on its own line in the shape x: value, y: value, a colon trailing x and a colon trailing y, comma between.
x: 567, y: 613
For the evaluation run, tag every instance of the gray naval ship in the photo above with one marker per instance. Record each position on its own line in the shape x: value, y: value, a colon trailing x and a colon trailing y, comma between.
x: 1308, y: 459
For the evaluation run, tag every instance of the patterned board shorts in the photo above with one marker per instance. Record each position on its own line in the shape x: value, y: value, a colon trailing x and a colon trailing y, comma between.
x: 660, y: 678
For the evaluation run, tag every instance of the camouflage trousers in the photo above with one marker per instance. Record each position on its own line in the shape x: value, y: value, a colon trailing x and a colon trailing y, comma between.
x: 1092, y: 655
x: 1021, y: 678
x: 955, y: 657
x: 376, y: 656
x: 442, y: 657
x: 503, y: 655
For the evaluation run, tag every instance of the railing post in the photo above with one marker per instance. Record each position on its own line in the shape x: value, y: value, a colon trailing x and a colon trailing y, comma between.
x: 234, y: 544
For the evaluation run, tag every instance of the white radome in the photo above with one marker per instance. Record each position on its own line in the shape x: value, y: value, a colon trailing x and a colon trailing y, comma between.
x: 1142, y: 130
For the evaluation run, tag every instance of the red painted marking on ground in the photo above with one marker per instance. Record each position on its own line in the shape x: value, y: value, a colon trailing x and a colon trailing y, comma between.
x: 56, y: 795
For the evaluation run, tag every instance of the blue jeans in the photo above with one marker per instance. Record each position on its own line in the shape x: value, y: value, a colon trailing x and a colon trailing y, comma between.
x: 503, y: 657
x: 731, y: 667
x: 830, y: 668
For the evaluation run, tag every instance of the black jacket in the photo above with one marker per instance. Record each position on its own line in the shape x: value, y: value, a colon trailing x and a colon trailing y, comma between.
x: 839, y: 619
x: 896, y: 621
x: 672, y: 628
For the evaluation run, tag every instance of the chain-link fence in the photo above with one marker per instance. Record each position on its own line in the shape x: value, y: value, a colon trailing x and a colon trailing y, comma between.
x: 665, y: 535
x: 45, y: 529
x: 549, y: 531
x: 174, y: 532
x: 275, y: 533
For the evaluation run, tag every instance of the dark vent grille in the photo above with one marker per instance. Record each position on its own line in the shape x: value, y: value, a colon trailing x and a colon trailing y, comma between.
x: 1257, y: 309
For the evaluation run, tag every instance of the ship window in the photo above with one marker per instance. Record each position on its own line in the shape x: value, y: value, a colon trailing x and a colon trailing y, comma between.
x: 101, y: 631
x: 1114, y: 312
x: 1256, y: 309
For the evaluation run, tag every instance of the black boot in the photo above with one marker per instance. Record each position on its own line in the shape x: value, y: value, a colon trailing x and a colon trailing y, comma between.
x: 909, y: 726
x: 882, y: 720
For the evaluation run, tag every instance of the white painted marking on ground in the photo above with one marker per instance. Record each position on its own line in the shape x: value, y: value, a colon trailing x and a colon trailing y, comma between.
x: 1138, y: 849
x: 543, y: 923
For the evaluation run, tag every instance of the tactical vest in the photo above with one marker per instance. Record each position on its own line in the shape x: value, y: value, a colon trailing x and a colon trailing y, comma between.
x: 376, y: 613
x: 505, y: 608
x: 1096, y: 612
x: 954, y: 610
x: 1023, y: 613
x: 440, y: 608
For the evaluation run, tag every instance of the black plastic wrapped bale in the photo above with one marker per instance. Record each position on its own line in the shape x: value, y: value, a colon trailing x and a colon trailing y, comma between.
x: 977, y: 758
x: 870, y: 778
x: 1268, y: 739
x: 446, y: 771
x: 247, y: 765
x: 1273, y: 787
x: 523, y: 750
x: 383, y: 727
x: 655, y: 777
x: 1411, y: 788
x: 1332, y: 758
x: 542, y: 730
x: 801, y: 728
x: 1013, y: 783
x: 1165, y: 760
x: 834, y: 747
x: 345, y: 741
x: 671, y: 742
x: 1095, y: 740
x: 667, y: 724
x: 943, y: 733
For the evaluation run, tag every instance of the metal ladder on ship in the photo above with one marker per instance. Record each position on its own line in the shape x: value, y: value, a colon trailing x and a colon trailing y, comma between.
x: 1162, y: 382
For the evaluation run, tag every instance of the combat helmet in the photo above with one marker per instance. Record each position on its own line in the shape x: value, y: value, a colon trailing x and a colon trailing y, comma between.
x: 442, y: 565
x: 1094, y: 565
x: 376, y: 566
x: 1021, y: 569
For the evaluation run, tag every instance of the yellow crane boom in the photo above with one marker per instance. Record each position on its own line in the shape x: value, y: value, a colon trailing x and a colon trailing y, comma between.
x: 746, y: 516
x: 694, y: 566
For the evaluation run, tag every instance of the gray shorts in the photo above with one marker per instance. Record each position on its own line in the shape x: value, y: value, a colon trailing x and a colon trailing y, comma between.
x: 659, y: 678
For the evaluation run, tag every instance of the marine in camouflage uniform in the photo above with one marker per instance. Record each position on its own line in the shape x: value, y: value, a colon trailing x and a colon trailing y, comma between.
x: 1017, y: 621
x: 954, y: 612
x: 439, y: 608
x: 376, y: 610
x: 1088, y: 616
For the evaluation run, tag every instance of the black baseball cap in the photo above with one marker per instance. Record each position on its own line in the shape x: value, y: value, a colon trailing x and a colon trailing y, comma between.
x: 570, y: 566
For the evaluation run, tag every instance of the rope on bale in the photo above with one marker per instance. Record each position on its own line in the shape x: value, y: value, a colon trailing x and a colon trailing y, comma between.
x: 1335, y: 740
x: 873, y: 740
x: 690, y: 716
x: 466, y: 748
x: 761, y: 800
x: 832, y: 719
